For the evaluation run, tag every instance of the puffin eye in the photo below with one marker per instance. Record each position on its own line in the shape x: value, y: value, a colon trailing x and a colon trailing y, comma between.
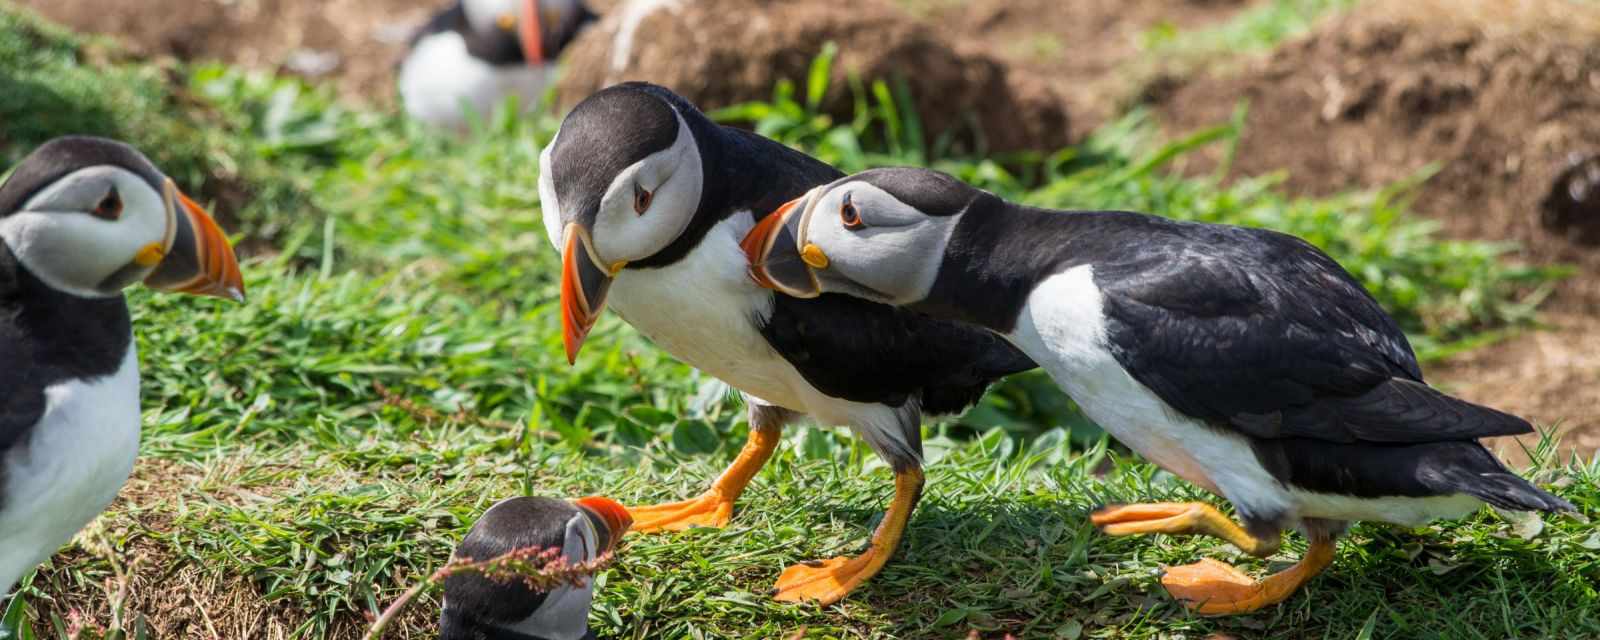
x: 641, y: 199
x: 849, y: 215
x: 110, y: 207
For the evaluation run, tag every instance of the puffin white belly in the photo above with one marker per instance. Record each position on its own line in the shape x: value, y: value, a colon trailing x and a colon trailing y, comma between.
x: 704, y: 310
x: 1063, y: 328
x: 69, y: 468
x: 440, y: 81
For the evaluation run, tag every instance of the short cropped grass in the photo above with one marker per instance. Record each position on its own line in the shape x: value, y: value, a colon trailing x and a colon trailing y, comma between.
x: 310, y: 454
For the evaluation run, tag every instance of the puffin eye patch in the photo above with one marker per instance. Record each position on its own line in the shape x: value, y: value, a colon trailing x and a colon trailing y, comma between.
x: 641, y: 199
x: 849, y: 215
x: 109, y: 207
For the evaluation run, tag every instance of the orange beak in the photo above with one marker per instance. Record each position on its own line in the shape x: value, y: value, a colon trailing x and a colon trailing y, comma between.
x: 199, y: 259
x: 529, y: 33
x: 584, y: 284
x: 615, y: 516
x: 774, y: 256
x: 758, y: 242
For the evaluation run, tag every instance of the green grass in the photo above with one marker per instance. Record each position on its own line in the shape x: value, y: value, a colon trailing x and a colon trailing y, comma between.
x: 1254, y: 30
x: 279, y: 494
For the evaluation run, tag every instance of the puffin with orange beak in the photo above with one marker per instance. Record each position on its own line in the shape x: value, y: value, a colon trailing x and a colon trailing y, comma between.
x: 477, y: 607
x: 1245, y: 361
x: 647, y: 200
x: 81, y: 219
x: 472, y: 55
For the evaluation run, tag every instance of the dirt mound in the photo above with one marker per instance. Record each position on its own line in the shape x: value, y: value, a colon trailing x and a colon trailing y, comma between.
x: 722, y: 52
x: 1504, y: 97
x: 1081, y: 51
x: 1373, y: 98
x: 356, y: 41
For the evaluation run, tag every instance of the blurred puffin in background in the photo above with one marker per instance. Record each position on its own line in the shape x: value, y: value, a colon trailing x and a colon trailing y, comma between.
x: 475, y: 53
x: 478, y: 608
x: 81, y: 219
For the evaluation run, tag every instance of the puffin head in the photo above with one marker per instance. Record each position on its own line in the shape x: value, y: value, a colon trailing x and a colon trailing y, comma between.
x: 539, y: 29
x: 621, y: 181
x: 879, y: 235
x: 90, y: 216
x: 475, y: 606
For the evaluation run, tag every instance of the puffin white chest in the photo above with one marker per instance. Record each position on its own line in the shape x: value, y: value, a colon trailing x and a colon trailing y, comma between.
x: 1063, y: 328
x: 704, y: 310
x: 440, y: 80
x: 69, y: 468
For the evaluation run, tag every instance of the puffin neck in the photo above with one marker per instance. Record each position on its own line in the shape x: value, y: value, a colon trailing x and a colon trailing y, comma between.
x: 73, y: 336
x: 997, y: 254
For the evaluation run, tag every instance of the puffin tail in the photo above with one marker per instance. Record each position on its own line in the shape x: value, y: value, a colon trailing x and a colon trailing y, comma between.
x: 1483, y: 477
x: 1509, y: 492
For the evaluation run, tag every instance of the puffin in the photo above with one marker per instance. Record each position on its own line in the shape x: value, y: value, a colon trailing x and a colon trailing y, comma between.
x: 81, y: 219
x: 647, y: 201
x: 1245, y: 361
x: 476, y: 52
x: 478, y: 608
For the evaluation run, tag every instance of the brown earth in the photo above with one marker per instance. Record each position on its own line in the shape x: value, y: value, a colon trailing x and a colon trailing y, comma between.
x: 1500, y: 95
x: 1083, y: 51
x: 355, y: 42
x: 723, y: 52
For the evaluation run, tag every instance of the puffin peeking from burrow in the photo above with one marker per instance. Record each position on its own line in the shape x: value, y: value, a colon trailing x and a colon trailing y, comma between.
x: 1243, y: 360
x: 647, y: 200
x: 81, y: 219
x: 479, y: 608
x: 472, y: 55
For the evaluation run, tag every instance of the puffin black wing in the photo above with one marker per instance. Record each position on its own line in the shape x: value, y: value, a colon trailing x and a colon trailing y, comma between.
x: 1263, y: 332
x: 868, y: 352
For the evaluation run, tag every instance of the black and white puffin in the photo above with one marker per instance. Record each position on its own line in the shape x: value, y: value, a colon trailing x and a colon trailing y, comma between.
x: 1243, y: 360
x: 80, y: 220
x: 647, y: 200
x: 478, y: 608
x: 475, y: 53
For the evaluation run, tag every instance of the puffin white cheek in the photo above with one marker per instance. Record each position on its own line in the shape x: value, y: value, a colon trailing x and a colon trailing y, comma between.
x: 549, y: 206
x: 70, y: 251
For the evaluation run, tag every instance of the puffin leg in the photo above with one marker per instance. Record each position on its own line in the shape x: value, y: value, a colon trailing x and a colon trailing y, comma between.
x: 1180, y: 518
x: 1213, y: 588
x: 827, y: 581
x: 714, y: 507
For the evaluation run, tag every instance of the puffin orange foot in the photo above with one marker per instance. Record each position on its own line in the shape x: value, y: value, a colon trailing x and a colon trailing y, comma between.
x: 827, y: 581
x: 708, y: 510
x: 1213, y: 588
x: 1179, y: 518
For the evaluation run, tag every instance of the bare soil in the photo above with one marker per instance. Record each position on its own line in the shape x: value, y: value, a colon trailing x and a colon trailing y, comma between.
x: 1080, y: 51
x: 357, y: 43
x: 723, y: 52
x: 1501, y: 97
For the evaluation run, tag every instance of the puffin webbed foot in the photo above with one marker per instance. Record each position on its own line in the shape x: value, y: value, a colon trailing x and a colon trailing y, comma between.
x: 828, y: 581
x: 714, y: 507
x: 710, y: 509
x: 1212, y: 588
x: 1179, y: 518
